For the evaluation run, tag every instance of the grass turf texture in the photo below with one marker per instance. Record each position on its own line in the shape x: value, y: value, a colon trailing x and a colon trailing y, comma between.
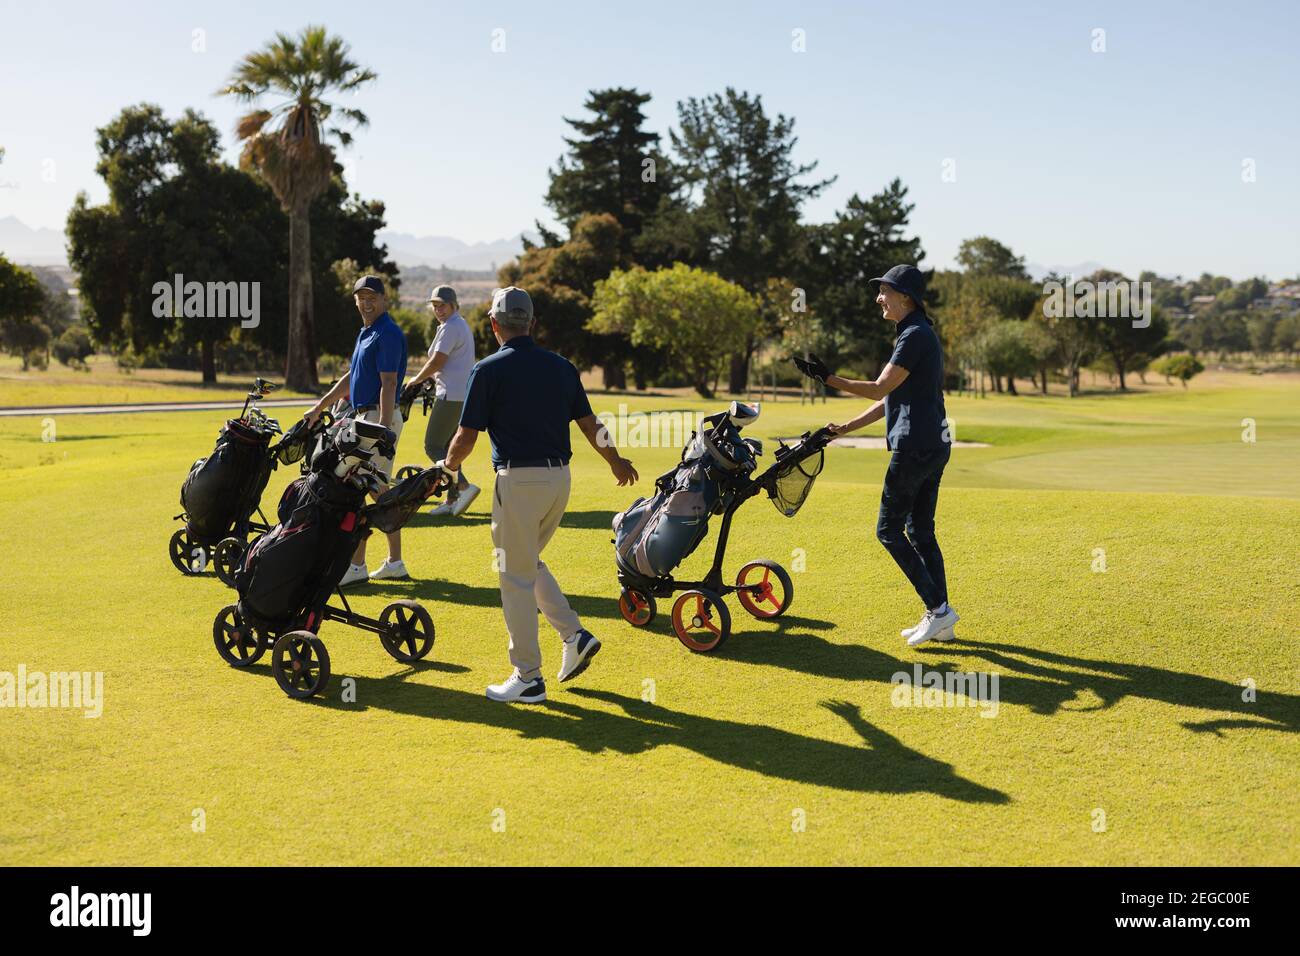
x: 1120, y: 691
x: 103, y: 383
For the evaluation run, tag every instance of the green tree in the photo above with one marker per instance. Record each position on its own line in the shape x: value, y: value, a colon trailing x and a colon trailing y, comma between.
x: 1126, y: 337
x: 294, y: 156
x: 1182, y: 367
x: 22, y: 301
x: 613, y: 166
x: 864, y: 240
x: 561, y: 280
x: 694, y: 316
x: 983, y: 256
x: 1075, y: 337
x: 173, y: 208
x: 745, y: 193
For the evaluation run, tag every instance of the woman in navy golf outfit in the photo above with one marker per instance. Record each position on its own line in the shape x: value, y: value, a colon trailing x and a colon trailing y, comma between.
x: 908, y: 395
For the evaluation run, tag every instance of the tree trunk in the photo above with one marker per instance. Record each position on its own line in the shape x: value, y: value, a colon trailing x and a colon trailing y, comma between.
x: 1119, y: 368
x: 1043, y: 370
x: 209, y: 362
x: 1011, y: 385
x: 738, y: 377
x: 300, y: 354
x: 614, y: 377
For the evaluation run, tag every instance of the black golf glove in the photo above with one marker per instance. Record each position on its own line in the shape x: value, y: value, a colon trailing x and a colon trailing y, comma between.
x: 813, y: 367
x: 407, y: 399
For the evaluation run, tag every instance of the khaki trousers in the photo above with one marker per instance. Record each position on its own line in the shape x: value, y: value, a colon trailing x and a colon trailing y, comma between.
x: 527, y: 505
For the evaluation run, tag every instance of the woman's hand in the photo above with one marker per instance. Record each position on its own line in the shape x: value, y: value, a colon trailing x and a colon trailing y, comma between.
x: 840, y: 429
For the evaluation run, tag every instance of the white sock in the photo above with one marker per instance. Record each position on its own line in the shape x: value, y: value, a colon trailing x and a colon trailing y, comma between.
x: 941, y: 610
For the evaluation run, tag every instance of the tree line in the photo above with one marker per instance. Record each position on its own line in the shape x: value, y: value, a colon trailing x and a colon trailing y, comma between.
x: 675, y: 261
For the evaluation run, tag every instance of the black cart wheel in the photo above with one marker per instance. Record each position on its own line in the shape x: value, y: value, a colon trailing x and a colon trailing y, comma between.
x: 764, y: 589
x: 237, y: 641
x: 301, y: 664
x: 188, y: 555
x: 406, y: 471
x: 226, y: 559
x: 637, y: 607
x: 701, y: 621
x: 407, y: 632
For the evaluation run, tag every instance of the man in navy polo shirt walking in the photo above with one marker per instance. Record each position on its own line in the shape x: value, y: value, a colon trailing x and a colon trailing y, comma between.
x: 909, y: 396
x: 377, y: 370
x: 524, y: 397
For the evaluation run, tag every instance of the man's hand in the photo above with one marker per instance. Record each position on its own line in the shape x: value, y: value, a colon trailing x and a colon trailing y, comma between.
x: 813, y: 367
x: 623, y: 471
x: 312, y: 416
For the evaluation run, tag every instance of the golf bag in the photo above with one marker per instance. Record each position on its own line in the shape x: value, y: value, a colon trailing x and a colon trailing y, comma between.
x: 291, y: 570
x: 288, y: 574
x: 654, y: 535
x: 222, y: 490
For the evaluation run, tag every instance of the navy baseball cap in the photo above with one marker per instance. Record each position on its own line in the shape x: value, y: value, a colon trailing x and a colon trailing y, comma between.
x: 369, y: 284
x: 905, y: 279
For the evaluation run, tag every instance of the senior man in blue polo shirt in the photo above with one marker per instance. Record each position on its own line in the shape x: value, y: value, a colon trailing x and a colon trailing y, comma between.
x: 909, y: 396
x: 376, y: 372
x: 524, y: 397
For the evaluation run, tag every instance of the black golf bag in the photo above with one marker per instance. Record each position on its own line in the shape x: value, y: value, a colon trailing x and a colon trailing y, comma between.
x: 222, y: 490
x: 654, y: 535
x: 290, y: 572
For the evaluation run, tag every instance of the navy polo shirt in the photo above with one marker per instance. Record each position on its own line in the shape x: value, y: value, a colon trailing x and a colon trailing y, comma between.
x: 524, y: 397
x: 380, y: 348
x: 914, y: 412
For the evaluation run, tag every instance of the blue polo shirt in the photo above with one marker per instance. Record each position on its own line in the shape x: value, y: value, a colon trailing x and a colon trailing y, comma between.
x: 524, y: 397
x: 914, y: 412
x: 379, y: 348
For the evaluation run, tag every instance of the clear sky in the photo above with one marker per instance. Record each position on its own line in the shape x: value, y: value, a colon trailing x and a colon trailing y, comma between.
x: 1132, y: 157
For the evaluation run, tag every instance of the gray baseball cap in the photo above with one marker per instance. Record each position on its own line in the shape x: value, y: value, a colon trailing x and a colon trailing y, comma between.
x: 511, y: 301
x: 444, y: 293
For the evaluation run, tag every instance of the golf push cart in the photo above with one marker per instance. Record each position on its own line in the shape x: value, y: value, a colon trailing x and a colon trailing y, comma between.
x: 223, y: 490
x: 289, y: 574
x: 715, y: 476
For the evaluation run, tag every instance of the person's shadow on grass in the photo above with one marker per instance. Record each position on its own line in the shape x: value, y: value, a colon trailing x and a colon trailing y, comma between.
x: 883, y: 764
x: 1111, y: 682
x: 1044, y: 681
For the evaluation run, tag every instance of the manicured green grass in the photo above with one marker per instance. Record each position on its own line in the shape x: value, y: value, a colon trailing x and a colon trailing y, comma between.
x: 103, y: 383
x: 1120, y: 692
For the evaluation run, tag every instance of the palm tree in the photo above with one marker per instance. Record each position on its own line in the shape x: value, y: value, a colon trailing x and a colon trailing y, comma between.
x: 287, y: 147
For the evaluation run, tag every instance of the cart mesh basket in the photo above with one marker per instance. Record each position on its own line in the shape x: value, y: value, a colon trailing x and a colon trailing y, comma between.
x: 792, y: 484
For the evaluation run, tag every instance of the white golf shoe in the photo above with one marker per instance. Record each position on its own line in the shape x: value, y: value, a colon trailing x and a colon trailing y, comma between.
x: 391, y: 570
x: 355, y: 573
x: 578, y: 652
x: 944, y: 636
x: 937, y: 627
x: 517, y: 690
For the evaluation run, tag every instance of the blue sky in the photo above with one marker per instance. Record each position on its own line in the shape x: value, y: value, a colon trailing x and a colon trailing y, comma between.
x: 1131, y: 157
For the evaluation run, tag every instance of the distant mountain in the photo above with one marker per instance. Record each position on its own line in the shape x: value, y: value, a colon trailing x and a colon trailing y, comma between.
x: 1079, y: 270
x: 31, y: 247
x: 409, y: 250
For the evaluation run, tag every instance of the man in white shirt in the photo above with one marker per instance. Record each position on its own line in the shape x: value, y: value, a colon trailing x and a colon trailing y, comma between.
x: 451, y: 359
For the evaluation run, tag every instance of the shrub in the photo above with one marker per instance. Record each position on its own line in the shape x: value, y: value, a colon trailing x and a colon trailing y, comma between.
x: 73, y: 346
x: 1181, y: 367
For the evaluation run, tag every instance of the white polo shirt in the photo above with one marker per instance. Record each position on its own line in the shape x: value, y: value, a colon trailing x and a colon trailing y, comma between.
x: 455, y: 340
